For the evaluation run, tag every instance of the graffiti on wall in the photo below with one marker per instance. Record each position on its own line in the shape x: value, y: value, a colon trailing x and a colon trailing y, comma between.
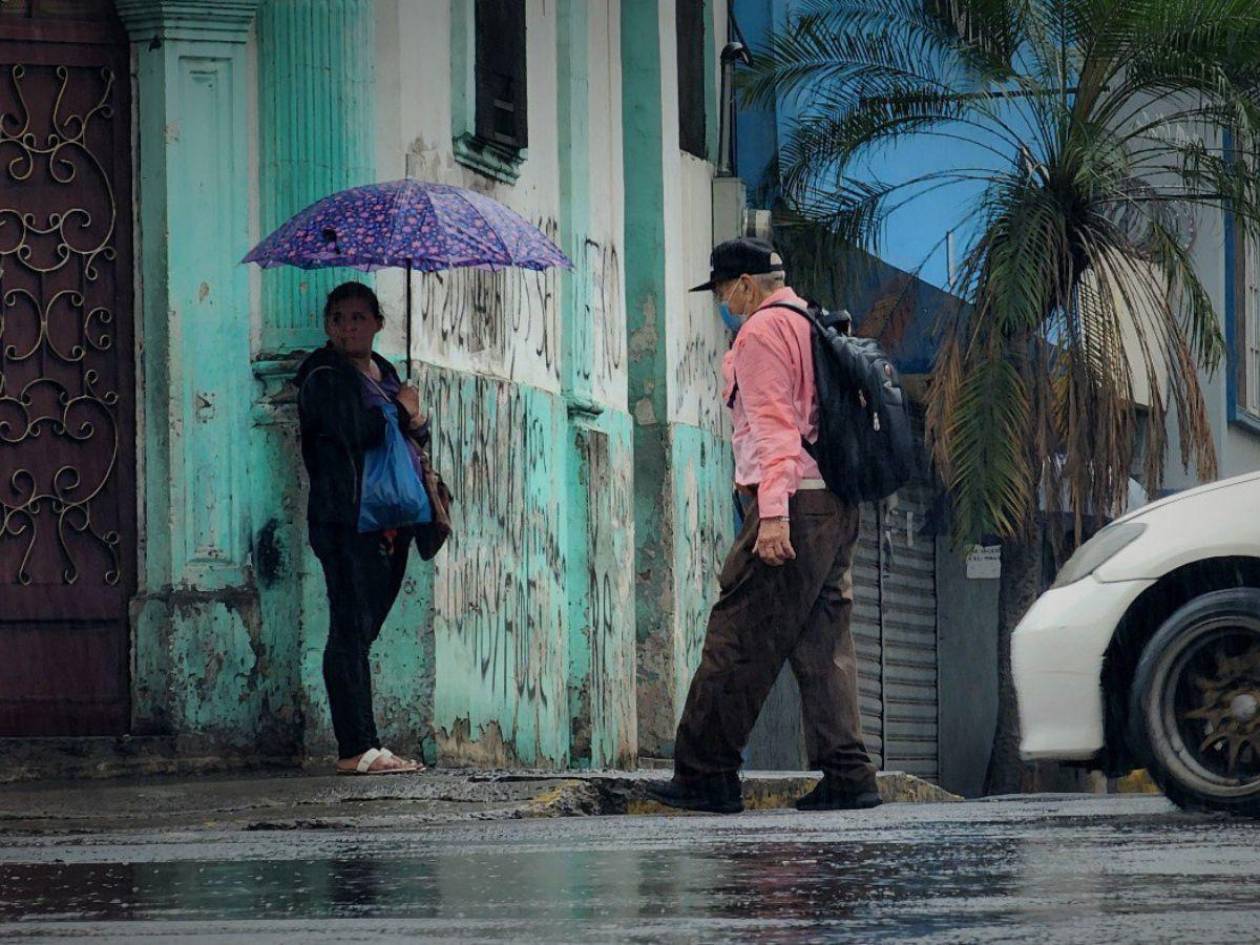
x: 696, y: 373
x: 506, y: 323
x: 697, y: 338
x: 605, y: 311
x: 706, y: 519
x: 610, y: 707
x: 499, y: 585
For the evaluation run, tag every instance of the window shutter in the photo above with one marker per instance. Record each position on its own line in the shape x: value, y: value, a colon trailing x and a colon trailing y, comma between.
x: 689, y: 23
x: 501, y: 75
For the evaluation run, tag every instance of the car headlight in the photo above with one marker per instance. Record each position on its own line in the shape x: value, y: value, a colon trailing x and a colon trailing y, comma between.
x: 1098, y: 551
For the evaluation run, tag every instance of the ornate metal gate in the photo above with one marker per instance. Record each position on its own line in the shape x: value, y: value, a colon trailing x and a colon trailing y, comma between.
x: 67, y: 439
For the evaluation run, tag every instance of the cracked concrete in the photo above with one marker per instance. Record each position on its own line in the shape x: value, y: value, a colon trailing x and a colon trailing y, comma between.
x: 305, y: 801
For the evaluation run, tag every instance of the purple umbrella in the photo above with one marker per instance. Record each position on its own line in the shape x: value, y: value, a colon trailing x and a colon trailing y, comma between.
x: 412, y: 225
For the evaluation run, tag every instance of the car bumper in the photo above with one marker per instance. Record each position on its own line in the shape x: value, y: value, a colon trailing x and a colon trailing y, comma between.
x: 1057, y: 656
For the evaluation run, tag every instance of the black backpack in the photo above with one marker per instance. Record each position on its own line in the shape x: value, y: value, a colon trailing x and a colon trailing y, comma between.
x: 865, y: 447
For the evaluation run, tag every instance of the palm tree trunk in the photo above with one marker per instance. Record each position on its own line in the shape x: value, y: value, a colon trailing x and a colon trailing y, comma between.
x: 1018, y: 590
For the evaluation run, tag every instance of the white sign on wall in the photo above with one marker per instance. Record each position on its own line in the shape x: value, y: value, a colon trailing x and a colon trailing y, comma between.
x: 984, y: 563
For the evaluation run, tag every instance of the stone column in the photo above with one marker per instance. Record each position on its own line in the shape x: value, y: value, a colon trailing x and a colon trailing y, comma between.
x: 316, y: 136
x: 199, y: 660
x: 683, y: 469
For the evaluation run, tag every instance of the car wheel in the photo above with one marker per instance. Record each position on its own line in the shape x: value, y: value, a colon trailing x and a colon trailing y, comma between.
x: 1195, y: 711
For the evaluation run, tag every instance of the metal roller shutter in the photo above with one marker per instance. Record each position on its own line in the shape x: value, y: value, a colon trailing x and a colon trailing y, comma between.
x: 908, y: 610
x: 867, y: 636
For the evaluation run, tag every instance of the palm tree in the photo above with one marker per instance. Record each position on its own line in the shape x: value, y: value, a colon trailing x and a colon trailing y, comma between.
x: 1105, y: 124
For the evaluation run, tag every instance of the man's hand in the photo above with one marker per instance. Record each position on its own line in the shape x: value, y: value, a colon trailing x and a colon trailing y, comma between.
x: 409, y: 397
x: 774, y: 545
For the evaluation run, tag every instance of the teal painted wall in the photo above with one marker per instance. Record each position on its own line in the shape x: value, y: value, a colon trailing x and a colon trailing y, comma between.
x: 316, y: 123
x: 702, y: 470
x: 683, y: 467
x: 317, y: 134
x: 586, y: 517
x: 203, y: 664
x: 645, y: 144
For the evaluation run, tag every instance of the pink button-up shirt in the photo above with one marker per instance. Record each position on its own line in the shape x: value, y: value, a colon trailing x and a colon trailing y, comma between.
x: 776, y: 403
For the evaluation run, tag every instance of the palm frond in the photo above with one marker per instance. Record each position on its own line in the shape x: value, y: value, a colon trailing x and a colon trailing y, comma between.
x: 1109, y: 125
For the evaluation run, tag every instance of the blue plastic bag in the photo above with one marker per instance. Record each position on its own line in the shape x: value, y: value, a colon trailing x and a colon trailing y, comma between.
x: 393, y: 495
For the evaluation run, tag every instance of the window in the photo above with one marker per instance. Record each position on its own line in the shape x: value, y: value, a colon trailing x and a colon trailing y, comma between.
x: 1242, y: 318
x: 489, y: 117
x: 1247, y: 328
x: 501, y: 118
x: 689, y: 23
x: 489, y: 99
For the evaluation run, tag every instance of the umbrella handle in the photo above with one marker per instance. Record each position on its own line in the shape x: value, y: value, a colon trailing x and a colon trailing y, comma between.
x: 407, y: 357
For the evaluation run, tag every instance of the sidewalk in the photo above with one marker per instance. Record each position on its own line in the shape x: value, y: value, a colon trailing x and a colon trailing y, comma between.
x: 298, y: 801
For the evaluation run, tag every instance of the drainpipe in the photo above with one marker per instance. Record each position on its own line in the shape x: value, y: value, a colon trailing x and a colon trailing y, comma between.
x: 733, y: 53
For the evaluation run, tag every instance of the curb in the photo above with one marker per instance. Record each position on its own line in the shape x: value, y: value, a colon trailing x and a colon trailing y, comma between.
x: 625, y: 793
x: 328, y: 803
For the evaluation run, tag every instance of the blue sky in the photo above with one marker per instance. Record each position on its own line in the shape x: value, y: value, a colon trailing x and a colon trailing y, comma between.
x: 914, y: 239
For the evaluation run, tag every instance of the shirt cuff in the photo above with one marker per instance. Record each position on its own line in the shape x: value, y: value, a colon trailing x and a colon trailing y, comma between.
x: 775, y: 492
x: 773, y: 502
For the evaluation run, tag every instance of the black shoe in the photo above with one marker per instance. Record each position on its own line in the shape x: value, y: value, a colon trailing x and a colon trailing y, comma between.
x: 720, y: 794
x: 829, y: 795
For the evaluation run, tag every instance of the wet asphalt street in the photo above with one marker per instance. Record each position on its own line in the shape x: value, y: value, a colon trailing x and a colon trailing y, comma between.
x: 1046, y: 870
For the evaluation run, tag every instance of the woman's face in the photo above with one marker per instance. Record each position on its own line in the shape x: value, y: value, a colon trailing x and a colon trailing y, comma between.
x: 351, y: 327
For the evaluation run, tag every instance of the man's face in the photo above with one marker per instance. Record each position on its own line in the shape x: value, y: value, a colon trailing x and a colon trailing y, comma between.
x: 734, y: 293
x: 351, y: 327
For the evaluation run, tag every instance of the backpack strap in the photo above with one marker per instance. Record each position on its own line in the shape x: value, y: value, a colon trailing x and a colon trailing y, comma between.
x: 843, y: 319
x: 818, y: 326
x: 798, y: 309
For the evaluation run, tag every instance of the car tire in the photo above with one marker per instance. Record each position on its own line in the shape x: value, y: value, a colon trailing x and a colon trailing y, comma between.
x: 1194, y: 715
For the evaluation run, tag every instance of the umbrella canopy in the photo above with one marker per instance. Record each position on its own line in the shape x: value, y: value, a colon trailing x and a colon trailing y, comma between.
x: 408, y: 224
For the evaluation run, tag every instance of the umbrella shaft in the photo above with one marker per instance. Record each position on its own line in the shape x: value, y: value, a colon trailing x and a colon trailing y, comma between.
x: 407, y: 356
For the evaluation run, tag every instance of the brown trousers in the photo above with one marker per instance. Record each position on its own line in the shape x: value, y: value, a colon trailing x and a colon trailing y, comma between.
x: 765, y: 615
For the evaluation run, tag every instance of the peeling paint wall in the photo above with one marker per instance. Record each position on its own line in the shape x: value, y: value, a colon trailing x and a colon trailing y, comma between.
x: 684, y: 512
x: 499, y: 608
x: 521, y: 643
x: 702, y: 472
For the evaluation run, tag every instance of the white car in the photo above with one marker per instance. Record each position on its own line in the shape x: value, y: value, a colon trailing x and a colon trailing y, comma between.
x: 1146, y: 652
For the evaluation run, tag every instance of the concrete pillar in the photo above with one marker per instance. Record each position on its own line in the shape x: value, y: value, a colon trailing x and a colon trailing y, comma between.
x: 684, y: 514
x: 200, y: 656
x: 599, y: 526
x: 316, y: 135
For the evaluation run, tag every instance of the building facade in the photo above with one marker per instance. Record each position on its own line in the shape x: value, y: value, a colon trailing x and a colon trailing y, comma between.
x: 153, y: 544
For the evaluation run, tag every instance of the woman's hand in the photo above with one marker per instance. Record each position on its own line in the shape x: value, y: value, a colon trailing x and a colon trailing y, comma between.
x: 409, y: 397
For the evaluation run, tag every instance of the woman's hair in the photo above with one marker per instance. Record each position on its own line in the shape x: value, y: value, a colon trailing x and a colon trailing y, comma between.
x: 353, y: 290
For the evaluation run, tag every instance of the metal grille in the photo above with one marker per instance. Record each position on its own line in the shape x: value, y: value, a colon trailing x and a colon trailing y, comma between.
x: 67, y: 500
x: 908, y: 609
x: 867, y: 636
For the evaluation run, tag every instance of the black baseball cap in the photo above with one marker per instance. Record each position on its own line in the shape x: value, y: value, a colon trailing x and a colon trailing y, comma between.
x: 745, y: 256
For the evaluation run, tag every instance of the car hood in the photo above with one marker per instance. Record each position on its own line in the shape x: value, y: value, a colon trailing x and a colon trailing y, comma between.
x: 1190, y: 494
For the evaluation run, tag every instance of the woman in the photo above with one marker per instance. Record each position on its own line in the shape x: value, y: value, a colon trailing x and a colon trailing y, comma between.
x: 341, y: 390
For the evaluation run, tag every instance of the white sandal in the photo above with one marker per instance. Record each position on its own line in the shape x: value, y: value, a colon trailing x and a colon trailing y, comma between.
x: 371, y: 756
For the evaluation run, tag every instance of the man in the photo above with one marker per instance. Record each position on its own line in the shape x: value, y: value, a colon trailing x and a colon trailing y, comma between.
x: 786, y: 586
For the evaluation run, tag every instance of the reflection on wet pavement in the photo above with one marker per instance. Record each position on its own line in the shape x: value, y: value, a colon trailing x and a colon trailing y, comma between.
x: 1126, y: 870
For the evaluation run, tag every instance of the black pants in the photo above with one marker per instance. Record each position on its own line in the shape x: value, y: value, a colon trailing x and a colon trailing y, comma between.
x: 798, y: 613
x: 363, y: 574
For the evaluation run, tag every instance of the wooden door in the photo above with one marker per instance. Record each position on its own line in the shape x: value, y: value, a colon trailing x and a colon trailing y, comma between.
x: 67, y: 391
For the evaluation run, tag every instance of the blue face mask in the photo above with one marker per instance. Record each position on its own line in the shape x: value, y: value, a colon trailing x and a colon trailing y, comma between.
x: 732, y: 322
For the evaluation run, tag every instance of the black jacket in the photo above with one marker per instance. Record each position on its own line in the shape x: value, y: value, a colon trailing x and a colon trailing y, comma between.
x: 337, y: 429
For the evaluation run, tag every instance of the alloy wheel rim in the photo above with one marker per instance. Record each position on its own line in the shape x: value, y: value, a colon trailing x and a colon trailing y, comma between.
x: 1209, y: 708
